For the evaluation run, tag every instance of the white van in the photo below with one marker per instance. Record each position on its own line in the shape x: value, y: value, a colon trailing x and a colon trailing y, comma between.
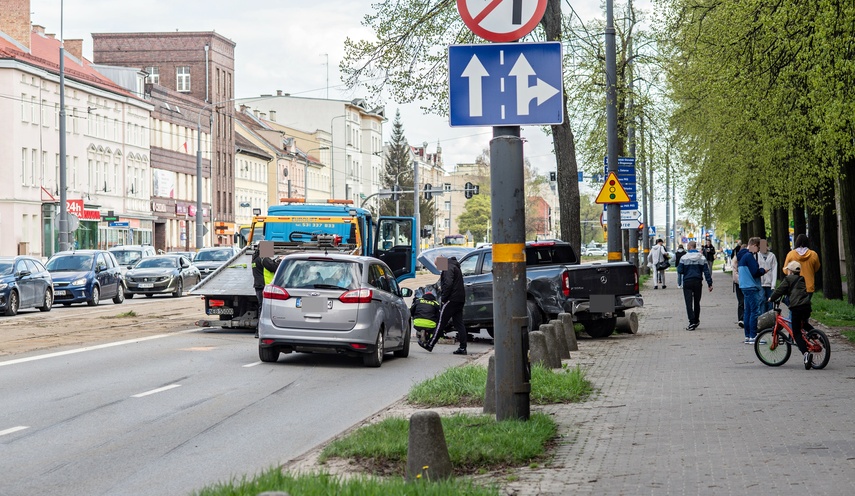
x: 129, y: 255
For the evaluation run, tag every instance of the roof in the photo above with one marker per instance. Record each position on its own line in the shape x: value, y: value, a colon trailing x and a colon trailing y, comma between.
x: 44, y: 54
x: 244, y: 145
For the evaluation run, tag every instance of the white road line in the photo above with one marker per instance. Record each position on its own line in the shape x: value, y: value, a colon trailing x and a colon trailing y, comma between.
x: 251, y: 365
x: 91, y: 348
x: 158, y: 390
x: 14, y: 429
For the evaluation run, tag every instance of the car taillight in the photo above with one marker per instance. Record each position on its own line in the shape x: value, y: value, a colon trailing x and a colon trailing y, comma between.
x: 216, y: 303
x: 272, y: 292
x: 565, y: 283
x: 635, y: 269
x: 358, y: 346
x: 356, y: 296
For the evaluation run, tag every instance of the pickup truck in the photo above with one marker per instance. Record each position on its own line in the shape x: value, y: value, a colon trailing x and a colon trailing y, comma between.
x: 594, y: 293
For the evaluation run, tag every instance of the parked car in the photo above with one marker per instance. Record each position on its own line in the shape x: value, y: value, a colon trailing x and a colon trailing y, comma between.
x: 161, y: 274
x: 210, y: 259
x: 128, y: 255
x: 189, y: 255
x: 24, y: 283
x: 443, y: 251
x: 86, y: 276
x: 596, y: 252
x: 344, y: 304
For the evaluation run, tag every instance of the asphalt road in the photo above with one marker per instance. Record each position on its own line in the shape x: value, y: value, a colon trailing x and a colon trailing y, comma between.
x: 171, y: 413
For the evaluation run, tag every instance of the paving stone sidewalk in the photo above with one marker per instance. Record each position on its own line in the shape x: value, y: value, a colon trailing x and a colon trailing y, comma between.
x: 695, y: 412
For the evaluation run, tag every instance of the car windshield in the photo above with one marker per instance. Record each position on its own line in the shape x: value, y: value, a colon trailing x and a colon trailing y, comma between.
x: 73, y: 263
x: 152, y: 263
x: 6, y: 268
x: 127, y: 257
x: 319, y: 274
x: 213, y: 256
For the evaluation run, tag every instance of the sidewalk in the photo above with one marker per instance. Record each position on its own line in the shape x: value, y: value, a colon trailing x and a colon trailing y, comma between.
x: 695, y: 412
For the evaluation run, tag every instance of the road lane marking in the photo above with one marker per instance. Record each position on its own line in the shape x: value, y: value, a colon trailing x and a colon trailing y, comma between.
x: 14, y: 429
x: 158, y: 390
x: 251, y: 365
x: 91, y: 348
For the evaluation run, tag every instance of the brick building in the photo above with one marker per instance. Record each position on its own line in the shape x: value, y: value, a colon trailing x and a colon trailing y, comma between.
x: 200, y: 65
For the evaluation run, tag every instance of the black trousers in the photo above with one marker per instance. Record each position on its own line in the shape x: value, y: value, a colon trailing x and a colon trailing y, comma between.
x: 451, y: 311
x: 692, y: 294
x: 740, y: 302
x: 799, y: 316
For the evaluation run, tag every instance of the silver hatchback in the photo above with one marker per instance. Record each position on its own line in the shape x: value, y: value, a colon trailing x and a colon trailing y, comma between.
x: 343, y: 304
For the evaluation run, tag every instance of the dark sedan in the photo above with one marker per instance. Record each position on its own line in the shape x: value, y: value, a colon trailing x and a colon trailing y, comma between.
x: 86, y: 276
x: 161, y: 274
x: 24, y: 283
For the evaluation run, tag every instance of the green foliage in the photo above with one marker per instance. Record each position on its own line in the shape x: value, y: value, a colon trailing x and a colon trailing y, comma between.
x: 476, y: 215
x: 124, y: 315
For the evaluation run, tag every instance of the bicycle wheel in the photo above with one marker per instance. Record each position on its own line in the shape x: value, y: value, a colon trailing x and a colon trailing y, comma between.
x: 819, y: 347
x: 763, y: 348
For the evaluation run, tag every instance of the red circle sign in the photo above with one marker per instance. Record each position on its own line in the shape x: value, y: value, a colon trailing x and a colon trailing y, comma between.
x: 501, y: 20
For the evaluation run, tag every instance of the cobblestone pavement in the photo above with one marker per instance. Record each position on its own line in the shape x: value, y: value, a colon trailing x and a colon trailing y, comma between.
x: 695, y: 412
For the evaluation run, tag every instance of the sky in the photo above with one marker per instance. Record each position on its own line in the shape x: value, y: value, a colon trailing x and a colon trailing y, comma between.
x: 285, y: 45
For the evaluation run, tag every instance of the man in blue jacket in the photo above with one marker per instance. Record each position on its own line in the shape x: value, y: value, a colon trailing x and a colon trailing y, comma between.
x: 694, y: 268
x: 751, y: 286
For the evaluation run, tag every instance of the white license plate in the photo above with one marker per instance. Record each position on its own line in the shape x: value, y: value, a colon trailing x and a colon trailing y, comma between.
x: 146, y: 285
x: 59, y: 292
x: 314, y: 304
x: 221, y: 311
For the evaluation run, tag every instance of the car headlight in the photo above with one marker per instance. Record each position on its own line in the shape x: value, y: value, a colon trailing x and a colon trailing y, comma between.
x: 3, y: 286
x: 79, y: 282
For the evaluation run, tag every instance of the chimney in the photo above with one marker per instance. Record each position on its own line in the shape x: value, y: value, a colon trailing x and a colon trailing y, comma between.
x: 15, y: 20
x: 75, y: 47
x: 51, y: 35
x: 39, y: 29
x: 243, y: 108
x: 272, y: 116
x: 278, y: 92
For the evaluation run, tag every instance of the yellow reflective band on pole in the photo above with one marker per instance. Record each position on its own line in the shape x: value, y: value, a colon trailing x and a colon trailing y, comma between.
x: 633, y: 250
x: 615, y: 255
x: 509, y: 253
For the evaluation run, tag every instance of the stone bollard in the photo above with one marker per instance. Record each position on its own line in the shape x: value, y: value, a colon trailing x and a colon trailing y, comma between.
x: 569, y: 331
x: 537, y: 349
x: 551, y: 345
x: 490, y: 392
x: 426, y: 448
x: 563, y: 347
x: 628, y: 324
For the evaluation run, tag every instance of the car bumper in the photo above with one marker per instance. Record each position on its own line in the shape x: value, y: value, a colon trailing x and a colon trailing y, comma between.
x: 360, y: 339
x: 71, y: 294
x: 622, y: 303
x: 169, y: 286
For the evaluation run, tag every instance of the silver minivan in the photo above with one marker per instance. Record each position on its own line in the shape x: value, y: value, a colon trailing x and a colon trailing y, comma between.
x: 345, y: 304
x: 129, y: 255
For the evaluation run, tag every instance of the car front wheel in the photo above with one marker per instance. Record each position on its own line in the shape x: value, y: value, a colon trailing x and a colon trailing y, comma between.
x: 180, y: 289
x: 96, y: 297
x: 14, y: 303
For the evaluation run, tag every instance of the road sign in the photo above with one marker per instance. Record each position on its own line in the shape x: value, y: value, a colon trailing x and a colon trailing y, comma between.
x: 505, y: 84
x: 624, y: 215
x: 119, y: 224
x: 501, y: 20
x: 630, y: 224
x: 612, y: 191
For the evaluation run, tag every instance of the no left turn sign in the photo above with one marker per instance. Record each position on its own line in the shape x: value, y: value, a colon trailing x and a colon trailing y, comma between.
x: 501, y: 20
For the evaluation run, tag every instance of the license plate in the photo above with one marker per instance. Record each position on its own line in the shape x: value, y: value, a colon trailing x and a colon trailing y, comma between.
x: 221, y: 311
x: 59, y: 292
x: 314, y: 304
x: 146, y: 285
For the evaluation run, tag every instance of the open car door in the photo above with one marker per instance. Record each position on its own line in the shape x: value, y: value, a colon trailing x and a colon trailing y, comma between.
x: 395, y: 243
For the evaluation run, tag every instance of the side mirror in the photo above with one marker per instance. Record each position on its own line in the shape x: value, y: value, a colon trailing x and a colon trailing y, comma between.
x: 24, y: 273
x: 131, y: 266
x: 406, y: 292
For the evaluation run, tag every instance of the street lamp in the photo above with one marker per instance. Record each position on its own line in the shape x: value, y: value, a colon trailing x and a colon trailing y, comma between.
x: 332, y: 156
x: 306, y: 170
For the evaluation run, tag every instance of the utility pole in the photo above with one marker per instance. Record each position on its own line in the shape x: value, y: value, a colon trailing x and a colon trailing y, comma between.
x: 633, y: 233
x: 668, y: 197
x: 613, y: 209
x: 64, y: 238
x: 645, y: 200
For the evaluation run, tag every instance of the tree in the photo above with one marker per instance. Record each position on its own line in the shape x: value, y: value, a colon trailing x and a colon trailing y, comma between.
x: 476, y: 216
x: 398, y: 170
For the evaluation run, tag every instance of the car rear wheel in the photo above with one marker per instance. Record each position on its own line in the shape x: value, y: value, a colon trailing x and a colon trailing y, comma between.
x: 120, y: 295
x: 375, y: 359
x: 14, y: 303
x: 267, y: 354
x: 601, y: 328
x: 96, y: 297
x: 48, y: 301
x: 405, y: 351
x: 180, y: 289
x: 534, y: 317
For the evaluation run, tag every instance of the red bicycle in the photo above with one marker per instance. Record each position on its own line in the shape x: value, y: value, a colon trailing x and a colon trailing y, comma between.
x: 773, y: 346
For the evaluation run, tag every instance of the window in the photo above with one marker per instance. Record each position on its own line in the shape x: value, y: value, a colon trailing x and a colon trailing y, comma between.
x: 448, y: 205
x: 468, y: 265
x: 153, y: 75
x: 23, y: 165
x: 34, y: 110
x: 182, y: 78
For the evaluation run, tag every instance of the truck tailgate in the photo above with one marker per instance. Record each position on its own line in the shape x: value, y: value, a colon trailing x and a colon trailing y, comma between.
x: 614, y: 278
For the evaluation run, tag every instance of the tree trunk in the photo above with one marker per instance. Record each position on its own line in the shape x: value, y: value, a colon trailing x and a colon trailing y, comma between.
x: 846, y: 196
x: 565, y: 147
x: 780, y: 237
x: 832, y: 283
x: 743, y: 231
x: 758, y: 223
x: 799, y: 224
x: 813, y: 223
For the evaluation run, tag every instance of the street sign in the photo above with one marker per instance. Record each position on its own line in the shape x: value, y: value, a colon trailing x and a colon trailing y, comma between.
x: 630, y: 224
x: 119, y: 224
x: 624, y: 215
x: 491, y: 84
x: 501, y: 20
x: 612, y: 191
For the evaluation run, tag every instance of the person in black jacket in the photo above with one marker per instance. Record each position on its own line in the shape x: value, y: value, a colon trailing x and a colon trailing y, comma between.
x: 263, y: 269
x: 795, y: 288
x: 452, y: 297
x: 708, y: 251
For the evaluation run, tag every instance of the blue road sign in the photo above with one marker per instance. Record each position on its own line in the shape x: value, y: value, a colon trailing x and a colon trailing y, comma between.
x: 629, y: 161
x: 119, y: 224
x: 505, y: 84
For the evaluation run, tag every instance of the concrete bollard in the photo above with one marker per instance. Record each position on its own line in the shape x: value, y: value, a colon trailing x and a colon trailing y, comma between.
x: 426, y: 448
x: 563, y: 348
x: 627, y: 324
x: 490, y: 393
x: 551, y: 345
x: 537, y: 349
x: 569, y: 331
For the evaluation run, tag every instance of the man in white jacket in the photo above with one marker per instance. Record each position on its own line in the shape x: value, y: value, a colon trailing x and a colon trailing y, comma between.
x: 658, y: 254
x: 767, y: 260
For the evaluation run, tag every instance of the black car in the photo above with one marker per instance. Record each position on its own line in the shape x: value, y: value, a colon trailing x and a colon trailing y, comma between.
x: 24, y: 283
x: 208, y: 260
x: 86, y: 276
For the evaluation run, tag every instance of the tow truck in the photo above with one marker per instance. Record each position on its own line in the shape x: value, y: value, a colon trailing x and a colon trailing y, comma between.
x: 295, y: 226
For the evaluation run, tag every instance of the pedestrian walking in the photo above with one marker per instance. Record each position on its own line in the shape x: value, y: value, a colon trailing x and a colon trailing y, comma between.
x: 452, y: 296
x: 708, y: 251
x: 794, y: 286
x: 694, y: 268
x: 752, y: 290
x: 740, y: 298
x: 807, y: 259
x: 767, y: 260
x: 678, y: 254
x: 658, y: 261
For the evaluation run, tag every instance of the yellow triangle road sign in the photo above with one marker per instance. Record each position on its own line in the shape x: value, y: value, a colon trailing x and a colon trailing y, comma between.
x: 612, y: 191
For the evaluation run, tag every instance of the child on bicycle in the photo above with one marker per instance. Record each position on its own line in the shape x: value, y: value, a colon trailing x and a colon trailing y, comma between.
x: 794, y: 286
x: 425, y: 312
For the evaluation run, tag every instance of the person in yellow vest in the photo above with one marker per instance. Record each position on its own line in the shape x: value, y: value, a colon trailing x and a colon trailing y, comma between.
x: 263, y: 270
x: 425, y: 312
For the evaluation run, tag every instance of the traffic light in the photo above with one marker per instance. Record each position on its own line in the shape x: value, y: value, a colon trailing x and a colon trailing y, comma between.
x: 427, y: 231
x: 396, y: 192
x: 552, y: 177
x: 470, y: 189
x: 428, y: 194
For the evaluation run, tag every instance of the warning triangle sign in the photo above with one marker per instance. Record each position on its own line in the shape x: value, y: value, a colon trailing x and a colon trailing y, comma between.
x: 612, y: 191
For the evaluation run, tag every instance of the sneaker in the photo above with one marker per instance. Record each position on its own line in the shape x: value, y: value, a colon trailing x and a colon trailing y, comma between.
x: 695, y: 325
x: 655, y: 287
x: 741, y: 324
x: 664, y: 286
x: 751, y: 340
x: 808, y: 360
x: 425, y: 346
x: 746, y: 341
x: 689, y: 327
x: 460, y: 351
x: 679, y: 286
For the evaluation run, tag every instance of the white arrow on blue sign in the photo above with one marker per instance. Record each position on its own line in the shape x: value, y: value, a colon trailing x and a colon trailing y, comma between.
x: 505, y: 84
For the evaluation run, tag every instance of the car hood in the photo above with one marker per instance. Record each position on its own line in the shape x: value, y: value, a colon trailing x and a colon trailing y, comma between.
x: 153, y: 272
x: 67, y: 276
x: 428, y: 257
x: 207, y: 265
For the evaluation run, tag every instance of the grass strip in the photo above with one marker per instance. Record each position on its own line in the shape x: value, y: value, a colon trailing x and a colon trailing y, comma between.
x: 834, y: 313
x: 124, y: 315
